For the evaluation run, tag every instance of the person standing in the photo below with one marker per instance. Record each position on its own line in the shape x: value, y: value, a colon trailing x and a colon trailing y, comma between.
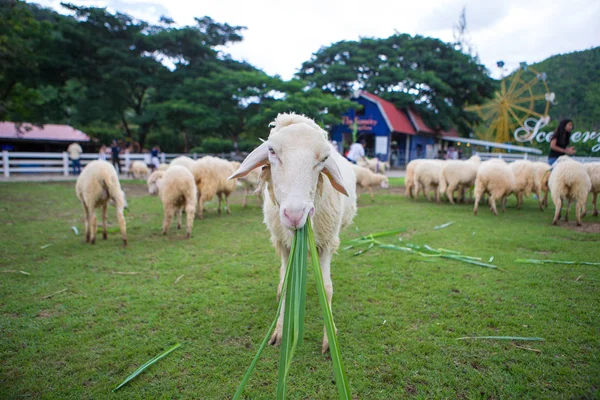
x: 559, y: 143
x: 115, y: 149
x: 154, y: 156
x: 357, y: 151
x: 75, y: 151
x: 102, y: 153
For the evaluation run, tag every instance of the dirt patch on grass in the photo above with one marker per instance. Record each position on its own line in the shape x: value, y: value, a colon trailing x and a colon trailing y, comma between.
x: 587, y: 227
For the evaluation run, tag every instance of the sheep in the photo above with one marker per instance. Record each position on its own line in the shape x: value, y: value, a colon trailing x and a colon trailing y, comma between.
x: 526, y: 181
x: 249, y: 183
x: 210, y: 175
x: 427, y: 177
x: 543, y: 174
x: 177, y: 190
x: 183, y: 160
x: 409, y: 179
x: 98, y: 184
x: 373, y: 164
x: 593, y: 170
x: 138, y: 169
x: 456, y: 174
x: 162, y: 167
x: 303, y: 176
x: 495, y: 178
x: 569, y: 180
x: 365, y: 178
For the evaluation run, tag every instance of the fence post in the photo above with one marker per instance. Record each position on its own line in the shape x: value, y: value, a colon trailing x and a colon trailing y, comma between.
x: 525, y: 158
x: 5, y: 164
x: 195, y: 156
x: 65, y: 163
x: 163, y: 158
x: 127, y: 162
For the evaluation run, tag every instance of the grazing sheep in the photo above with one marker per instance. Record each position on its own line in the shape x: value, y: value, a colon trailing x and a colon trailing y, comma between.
x: 569, y: 180
x: 458, y: 175
x: 374, y: 164
x: 249, y: 183
x: 409, y: 179
x: 366, y: 179
x: 542, y: 170
x: 427, y: 178
x: 526, y: 181
x: 138, y: 169
x: 210, y: 175
x: 162, y: 167
x: 98, y: 184
x: 183, y: 160
x: 593, y: 170
x: 303, y: 177
x: 177, y: 191
x: 495, y: 178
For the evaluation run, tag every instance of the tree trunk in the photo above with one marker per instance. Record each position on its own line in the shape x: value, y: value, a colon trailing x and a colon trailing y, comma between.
x: 144, y: 128
x: 125, y: 125
x: 185, y: 142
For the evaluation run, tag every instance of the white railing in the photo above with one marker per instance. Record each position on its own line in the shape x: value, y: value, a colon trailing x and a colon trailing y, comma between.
x: 510, y: 157
x: 52, y: 163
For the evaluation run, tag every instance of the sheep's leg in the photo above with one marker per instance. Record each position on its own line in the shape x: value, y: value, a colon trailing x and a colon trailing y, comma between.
x: 276, y: 337
x: 179, y: 215
x: 200, y: 206
x: 190, y: 209
x: 122, y: 226
x: 545, y: 202
x: 478, y: 194
x: 227, y: 204
x: 568, y: 208
x: 437, y: 194
x: 371, y: 192
x: 325, y: 260
x: 168, y: 217
x: 538, y: 193
x: 503, y: 203
x: 557, y: 207
x: 493, y: 204
x: 594, y: 198
x: 519, y: 196
x: 450, y: 193
x: 427, y: 191
x: 220, y: 200
x: 245, y: 202
x: 93, y: 226
x: 86, y: 215
x: 579, y: 207
x: 104, y: 232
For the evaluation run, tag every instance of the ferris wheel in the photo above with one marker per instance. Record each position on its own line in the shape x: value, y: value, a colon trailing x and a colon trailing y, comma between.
x: 522, y: 95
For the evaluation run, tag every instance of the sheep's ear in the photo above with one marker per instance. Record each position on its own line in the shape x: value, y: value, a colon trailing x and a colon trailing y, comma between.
x: 258, y: 157
x: 335, y: 176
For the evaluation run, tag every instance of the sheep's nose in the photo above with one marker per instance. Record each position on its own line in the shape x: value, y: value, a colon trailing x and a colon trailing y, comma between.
x: 294, y: 216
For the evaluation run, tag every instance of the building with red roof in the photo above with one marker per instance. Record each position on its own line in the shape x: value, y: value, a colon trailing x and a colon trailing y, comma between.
x: 29, y: 137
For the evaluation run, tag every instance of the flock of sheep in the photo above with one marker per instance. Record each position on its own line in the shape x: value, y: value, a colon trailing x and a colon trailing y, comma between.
x: 567, y: 180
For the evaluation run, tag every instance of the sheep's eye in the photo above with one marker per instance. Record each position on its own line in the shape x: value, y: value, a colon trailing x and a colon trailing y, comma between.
x: 271, y: 151
x: 324, y: 159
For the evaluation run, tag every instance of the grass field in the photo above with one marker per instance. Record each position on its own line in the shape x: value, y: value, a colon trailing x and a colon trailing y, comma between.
x: 398, y: 315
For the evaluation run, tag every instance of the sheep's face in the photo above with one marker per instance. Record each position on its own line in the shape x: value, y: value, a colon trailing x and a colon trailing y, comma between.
x: 154, y: 182
x: 297, y: 155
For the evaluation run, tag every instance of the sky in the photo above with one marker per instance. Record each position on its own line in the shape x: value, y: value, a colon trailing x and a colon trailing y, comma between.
x: 281, y: 35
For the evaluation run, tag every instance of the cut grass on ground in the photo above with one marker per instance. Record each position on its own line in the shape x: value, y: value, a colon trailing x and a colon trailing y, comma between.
x: 399, y: 315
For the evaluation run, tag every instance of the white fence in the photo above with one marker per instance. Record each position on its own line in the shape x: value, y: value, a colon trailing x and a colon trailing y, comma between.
x: 509, y: 157
x: 52, y: 163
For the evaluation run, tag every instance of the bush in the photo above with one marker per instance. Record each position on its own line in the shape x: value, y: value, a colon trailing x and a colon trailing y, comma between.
x: 197, y: 149
x: 216, y: 145
x: 247, y: 145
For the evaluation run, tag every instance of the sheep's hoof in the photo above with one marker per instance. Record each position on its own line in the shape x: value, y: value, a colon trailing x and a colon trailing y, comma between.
x: 164, y: 233
x: 475, y: 212
x: 188, y: 235
x: 584, y: 214
x: 579, y: 224
x: 325, y: 346
x: 228, y: 212
x: 104, y: 236
x: 554, y: 222
x: 495, y: 213
x: 276, y: 338
x: 595, y: 214
x: 93, y: 241
x: 124, y: 242
x: 178, y: 226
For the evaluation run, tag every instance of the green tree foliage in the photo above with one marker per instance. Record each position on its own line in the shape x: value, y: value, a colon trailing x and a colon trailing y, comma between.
x: 409, y: 71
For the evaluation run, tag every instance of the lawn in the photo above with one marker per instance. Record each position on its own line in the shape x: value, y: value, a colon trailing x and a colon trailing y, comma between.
x: 398, y: 315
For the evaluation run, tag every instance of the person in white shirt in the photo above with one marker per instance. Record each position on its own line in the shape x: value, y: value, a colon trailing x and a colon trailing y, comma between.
x: 75, y: 151
x: 357, y: 151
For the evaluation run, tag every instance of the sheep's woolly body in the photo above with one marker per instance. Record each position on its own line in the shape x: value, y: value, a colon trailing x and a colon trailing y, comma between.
x: 178, y: 193
x: 98, y: 184
x: 210, y: 175
x: 569, y: 181
x: 427, y: 177
x: 526, y: 181
x: 409, y: 179
x: 374, y: 165
x: 183, y: 160
x: 162, y: 167
x: 593, y: 170
x: 366, y: 179
x: 139, y: 169
x: 249, y: 183
x: 458, y: 175
x: 495, y: 178
x: 542, y: 171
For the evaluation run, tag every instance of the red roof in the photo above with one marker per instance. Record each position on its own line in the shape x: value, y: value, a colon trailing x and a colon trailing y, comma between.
x: 451, y: 133
x: 48, y: 132
x: 397, y: 121
x: 418, y: 122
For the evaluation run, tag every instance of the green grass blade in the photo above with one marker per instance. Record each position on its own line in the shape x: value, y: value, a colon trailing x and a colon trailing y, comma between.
x: 338, y: 366
x: 503, y: 338
x: 534, y: 261
x: 246, y: 378
x: 469, y: 261
x: 443, y: 226
x: 379, y: 234
x: 146, y: 365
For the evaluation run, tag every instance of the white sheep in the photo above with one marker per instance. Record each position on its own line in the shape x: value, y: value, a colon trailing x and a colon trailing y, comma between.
x: 98, y: 184
x: 526, y: 181
x: 458, y: 175
x: 138, y: 169
x: 303, y: 177
x: 593, y: 170
x: 409, y: 179
x: 183, y: 160
x: 495, y: 178
x: 210, y: 174
x: 177, y: 191
x: 249, y: 183
x: 543, y: 174
x: 427, y: 178
x: 374, y: 164
x: 366, y: 179
x: 162, y: 167
x: 569, y: 181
